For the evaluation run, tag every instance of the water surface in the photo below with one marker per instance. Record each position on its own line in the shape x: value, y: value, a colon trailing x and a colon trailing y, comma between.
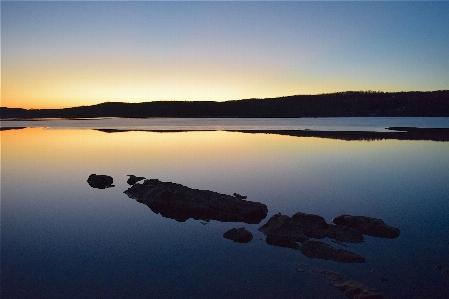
x: 63, y: 239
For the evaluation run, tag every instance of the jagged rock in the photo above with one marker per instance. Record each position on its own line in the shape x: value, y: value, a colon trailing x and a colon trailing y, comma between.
x: 240, y: 235
x: 352, y: 289
x: 321, y: 250
x: 443, y: 271
x: 179, y: 202
x: 134, y: 179
x: 367, y: 226
x: 100, y: 181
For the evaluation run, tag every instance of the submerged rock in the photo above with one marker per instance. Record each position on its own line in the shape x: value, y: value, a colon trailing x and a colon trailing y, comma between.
x: 179, y: 202
x: 240, y: 235
x: 352, y: 289
x: 100, y: 181
x: 134, y: 179
x: 321, y: 250
x: 281, y: 241
x: 367, y: 226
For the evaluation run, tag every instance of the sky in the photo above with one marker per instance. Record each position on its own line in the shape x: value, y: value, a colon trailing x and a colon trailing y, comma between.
x: 60, y: 54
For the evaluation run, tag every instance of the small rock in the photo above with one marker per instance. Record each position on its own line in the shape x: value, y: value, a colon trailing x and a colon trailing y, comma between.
x: 240, y: 235
x: 100, y: 181
x: 134, y: 179
x: 240, y: 196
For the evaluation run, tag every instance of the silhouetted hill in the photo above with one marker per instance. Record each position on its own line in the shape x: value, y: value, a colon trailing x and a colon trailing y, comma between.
x: 341, y: 104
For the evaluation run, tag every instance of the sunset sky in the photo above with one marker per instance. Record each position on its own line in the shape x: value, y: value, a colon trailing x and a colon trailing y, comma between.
x: 62, y: 54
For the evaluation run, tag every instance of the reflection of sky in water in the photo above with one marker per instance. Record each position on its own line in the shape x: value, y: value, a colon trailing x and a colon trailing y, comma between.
x: 202, y: 124
x: 61, y: 237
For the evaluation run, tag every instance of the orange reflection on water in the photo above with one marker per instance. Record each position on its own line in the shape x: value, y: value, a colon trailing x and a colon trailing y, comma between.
x: 38, y: 152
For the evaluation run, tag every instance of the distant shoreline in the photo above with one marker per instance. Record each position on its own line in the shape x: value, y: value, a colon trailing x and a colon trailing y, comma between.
x: 341, y: 104
x: 396, y: 133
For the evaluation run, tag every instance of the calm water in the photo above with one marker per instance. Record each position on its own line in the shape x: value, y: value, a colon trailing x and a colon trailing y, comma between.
x: 324, y: 124
x: 60, y: 238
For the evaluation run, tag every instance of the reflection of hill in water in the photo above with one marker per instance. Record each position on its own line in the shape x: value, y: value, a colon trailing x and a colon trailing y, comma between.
x: 397, y: 133
x: 11, y: 128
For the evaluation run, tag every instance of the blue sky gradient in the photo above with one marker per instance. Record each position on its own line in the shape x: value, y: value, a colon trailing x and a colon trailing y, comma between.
x: 61, y: 54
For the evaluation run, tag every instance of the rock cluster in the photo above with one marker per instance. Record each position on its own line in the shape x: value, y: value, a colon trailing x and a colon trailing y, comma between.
x: 284, y: 231
x: 179, y: 202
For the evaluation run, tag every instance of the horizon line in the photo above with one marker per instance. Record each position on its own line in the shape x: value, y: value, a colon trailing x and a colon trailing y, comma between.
x: 245, y: 99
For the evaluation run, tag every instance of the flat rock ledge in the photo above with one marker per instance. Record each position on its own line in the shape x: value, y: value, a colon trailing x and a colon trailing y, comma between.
x: 352, y: 289
x: 100, y: 181
x: 367, y: 226
x: 240, y: 235
x: 179, y: 202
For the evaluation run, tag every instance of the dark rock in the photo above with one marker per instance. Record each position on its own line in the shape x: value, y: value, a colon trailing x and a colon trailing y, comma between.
x: 313, y: 226
x: 134, y: 179
x: 352, y: 289
x: 240, y: 235
x: 344, y: 234
x: 283, y: 227
x: 367, y: 226
x: 179, y: 202
x: 321, y: 250
x: 240, y: 196
x: 100, y: 181
x: 310, y: 220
